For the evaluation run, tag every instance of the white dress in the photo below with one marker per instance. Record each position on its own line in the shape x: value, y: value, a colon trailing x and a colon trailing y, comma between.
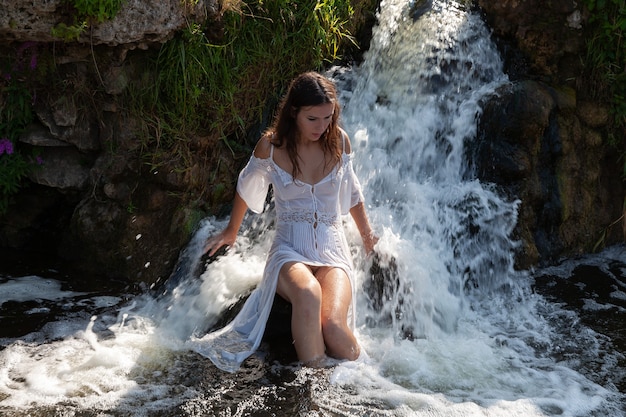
x: 308, y: 229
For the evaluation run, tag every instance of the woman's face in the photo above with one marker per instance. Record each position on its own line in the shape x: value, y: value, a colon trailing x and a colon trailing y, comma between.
x: 312, y: 121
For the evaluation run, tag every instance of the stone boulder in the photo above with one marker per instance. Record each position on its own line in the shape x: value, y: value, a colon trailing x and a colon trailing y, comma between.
x: 540, y: 38
x: 536, y: 147
x: 139, y: 22
x: 543, y: 140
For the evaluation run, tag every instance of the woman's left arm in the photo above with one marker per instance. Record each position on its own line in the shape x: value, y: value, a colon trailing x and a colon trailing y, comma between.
x: 362, y: 223
x: 357, y: 211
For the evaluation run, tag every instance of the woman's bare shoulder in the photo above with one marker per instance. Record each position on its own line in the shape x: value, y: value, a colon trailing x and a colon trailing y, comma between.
x: 263, y: 147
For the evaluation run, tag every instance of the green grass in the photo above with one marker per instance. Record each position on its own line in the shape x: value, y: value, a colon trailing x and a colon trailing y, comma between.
x: 606, y: 54
x: 221, y: 85
x: 606, y: 70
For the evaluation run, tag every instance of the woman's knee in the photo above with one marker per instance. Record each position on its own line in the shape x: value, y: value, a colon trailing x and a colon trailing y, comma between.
x: 339, y: 339
x: 309, y: 293
x: 334, y: 328
x: 300, y: 285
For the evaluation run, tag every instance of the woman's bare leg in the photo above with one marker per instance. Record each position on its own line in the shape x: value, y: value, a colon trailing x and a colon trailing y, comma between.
x: 336, y: 297
x: 298, y: 285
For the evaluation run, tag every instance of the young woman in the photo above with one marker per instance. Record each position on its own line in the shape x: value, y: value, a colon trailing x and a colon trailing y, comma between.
x: 306, y: 157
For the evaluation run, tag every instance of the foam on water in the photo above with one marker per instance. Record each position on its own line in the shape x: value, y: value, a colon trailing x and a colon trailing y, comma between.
x: 32, y: 287
x: 461, y: 333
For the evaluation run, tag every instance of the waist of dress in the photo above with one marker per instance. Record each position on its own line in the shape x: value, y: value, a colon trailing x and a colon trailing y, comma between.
x: 309, y: 217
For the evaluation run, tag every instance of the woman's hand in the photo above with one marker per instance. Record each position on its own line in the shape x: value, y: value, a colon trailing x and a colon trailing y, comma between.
x: 215, y: 242
x: 369, y: 241
x: 226, y: 238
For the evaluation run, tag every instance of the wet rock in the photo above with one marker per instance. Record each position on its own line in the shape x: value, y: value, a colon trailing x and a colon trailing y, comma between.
x: 64, y: 111
x: 513, y: 124
x: 557, y: 162
x: 532, y: 144
x: 38, y: 135
x: 420, y: 7
x: 63, y: 167
x: 116, y: 80
x: 545, y: 33
x: 593, y: 114
x: 62, y: 122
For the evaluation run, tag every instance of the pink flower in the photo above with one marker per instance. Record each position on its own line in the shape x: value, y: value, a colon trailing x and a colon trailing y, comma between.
x: 21, y: 52
x: 33, y: 61
x: 6, y: 146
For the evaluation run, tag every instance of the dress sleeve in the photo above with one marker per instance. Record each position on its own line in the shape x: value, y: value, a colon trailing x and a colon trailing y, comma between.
x: 254, y: 182
x: 351, y: 192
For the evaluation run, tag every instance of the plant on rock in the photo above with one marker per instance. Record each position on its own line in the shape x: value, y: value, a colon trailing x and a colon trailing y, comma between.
x: 15, y: 114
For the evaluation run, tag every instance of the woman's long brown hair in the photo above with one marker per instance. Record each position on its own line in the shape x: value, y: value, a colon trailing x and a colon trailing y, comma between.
x: 308, y: 89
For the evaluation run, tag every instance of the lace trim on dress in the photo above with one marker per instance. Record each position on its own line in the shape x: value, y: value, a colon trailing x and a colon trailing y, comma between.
x: 311, y: 218
x: 271, y: 166
x: 264, y: 162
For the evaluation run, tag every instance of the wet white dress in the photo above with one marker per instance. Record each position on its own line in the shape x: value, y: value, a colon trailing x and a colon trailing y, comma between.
x: 308, y: 229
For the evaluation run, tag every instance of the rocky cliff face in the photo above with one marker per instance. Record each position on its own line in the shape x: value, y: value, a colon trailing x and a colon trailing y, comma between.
x: 138, y: 24
x: 543, y: 139
x: 93, y: 201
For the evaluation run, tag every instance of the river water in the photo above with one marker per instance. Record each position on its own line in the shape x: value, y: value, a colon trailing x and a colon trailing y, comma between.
x: 458, y: 332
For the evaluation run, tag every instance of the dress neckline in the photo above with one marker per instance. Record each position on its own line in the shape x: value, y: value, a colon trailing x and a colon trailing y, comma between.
x: 285, y: 173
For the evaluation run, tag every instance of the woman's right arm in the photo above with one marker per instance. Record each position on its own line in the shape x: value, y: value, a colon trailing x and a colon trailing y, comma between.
x: 228, y: 236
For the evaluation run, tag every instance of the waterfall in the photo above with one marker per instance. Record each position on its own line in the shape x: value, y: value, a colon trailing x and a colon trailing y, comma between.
x: 411, y: 108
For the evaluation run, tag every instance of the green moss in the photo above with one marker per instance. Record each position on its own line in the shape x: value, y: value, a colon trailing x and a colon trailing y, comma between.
x: 82, y: 13
x: 193, y: 220
x: 99, y: 10
x: 606, y: 53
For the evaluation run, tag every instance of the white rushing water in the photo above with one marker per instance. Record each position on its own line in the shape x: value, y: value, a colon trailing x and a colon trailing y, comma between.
x: 481, y: 342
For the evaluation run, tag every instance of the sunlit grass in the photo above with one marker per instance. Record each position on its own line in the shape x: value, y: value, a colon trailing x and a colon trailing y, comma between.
x: 219, y: 86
